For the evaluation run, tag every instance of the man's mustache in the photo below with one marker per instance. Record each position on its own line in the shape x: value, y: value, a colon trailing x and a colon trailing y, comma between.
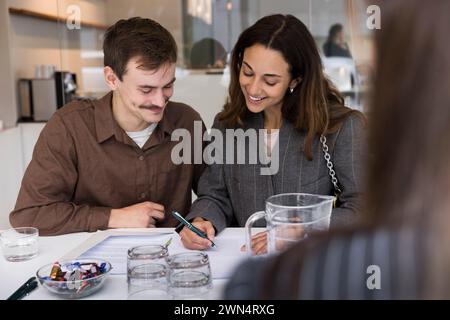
x: 154, y: 105
x: 150, y: 106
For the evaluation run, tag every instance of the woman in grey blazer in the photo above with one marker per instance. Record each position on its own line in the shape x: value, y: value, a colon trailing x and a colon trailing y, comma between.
x: 277, y: 84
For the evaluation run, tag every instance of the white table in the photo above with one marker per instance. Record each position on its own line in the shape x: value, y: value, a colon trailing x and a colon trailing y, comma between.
x: 51, y: 249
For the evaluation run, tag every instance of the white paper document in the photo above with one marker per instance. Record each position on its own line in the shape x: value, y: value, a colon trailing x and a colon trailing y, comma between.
x: 223, y: 258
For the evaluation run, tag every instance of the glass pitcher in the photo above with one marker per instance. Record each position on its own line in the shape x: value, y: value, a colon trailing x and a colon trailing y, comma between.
x: 291, y: 217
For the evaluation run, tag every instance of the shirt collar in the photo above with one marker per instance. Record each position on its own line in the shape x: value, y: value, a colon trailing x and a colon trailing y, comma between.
x: 106, y: 126
x: 167, y: 122
x: 104, y: 120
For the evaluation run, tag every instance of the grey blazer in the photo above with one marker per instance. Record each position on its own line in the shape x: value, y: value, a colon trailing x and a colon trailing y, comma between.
x: 229, y: 193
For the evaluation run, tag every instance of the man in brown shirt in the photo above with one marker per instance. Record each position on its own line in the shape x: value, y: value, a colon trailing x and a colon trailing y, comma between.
x: 107, y: 163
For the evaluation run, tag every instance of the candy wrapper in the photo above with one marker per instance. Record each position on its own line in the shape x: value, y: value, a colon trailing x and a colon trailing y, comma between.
x: 76, y: 276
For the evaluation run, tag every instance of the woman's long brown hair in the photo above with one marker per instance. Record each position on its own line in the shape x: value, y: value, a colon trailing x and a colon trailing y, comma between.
x: 410, y: 118
x: 315, y: 107
x: 409, y: 175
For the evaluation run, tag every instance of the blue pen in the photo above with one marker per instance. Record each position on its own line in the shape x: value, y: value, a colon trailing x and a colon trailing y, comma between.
x: 191, y: 227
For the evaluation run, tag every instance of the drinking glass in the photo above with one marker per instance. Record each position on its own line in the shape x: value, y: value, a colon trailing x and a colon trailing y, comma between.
x: 147, y: 272
x: 20, y: 244
x: 189, y: 275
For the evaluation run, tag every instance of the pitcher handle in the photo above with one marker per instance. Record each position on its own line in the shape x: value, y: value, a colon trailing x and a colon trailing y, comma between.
x: 248, y: 228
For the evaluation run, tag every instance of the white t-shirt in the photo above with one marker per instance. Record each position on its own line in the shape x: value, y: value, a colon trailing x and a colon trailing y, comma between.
x: 270, y: 139
x: 141, y: 137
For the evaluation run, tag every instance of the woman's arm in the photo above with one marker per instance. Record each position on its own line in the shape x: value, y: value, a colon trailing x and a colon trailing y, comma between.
x: 213, y: 202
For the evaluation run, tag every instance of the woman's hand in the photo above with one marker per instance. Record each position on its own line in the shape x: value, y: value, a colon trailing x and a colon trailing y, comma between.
x: 284, y: 237
x: 194, y: 242
x: 259, y: 243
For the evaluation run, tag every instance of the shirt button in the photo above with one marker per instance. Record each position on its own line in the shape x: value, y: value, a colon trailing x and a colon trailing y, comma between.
x: 142, y: 195
x: 141, y: 158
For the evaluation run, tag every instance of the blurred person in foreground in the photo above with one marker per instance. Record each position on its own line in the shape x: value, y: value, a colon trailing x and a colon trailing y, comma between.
x: 406, y: 231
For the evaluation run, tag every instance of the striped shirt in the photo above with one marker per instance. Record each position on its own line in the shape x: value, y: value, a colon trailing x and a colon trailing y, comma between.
x: 381, y: 264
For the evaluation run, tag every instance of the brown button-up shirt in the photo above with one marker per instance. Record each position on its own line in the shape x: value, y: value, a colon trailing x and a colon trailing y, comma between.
x: 84, y: 165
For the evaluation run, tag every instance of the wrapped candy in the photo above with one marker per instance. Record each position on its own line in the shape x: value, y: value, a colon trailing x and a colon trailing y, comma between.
x: 70, y: 274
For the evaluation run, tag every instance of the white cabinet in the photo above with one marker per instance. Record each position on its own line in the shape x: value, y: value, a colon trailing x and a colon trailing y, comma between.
x: 16, y: 149
x: 29, y: 134
x: 11, y: 172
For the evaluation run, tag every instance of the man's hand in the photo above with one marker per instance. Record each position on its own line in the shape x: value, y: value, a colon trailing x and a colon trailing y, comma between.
x: 192, y: 241
x: 140, y: 215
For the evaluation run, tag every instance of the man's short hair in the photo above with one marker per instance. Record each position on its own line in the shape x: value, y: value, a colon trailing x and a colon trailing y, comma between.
x: 138, y: 37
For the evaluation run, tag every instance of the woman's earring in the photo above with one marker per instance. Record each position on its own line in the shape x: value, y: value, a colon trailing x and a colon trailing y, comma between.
x: 291, y: 89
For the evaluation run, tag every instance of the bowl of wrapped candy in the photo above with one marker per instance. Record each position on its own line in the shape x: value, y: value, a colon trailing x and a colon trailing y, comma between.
x: 74, y: 279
